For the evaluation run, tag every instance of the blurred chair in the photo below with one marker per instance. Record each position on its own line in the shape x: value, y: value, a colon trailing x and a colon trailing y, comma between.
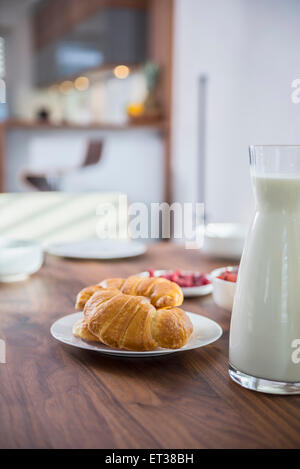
x: 50, y: 180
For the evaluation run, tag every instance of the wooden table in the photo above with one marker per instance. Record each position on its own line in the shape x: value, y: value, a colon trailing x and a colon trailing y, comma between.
x: 55, y: 396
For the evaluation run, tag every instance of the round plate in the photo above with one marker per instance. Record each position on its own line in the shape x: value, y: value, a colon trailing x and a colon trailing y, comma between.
x: 98, y: 249
x: 205, y: 332
x: 188, y: 292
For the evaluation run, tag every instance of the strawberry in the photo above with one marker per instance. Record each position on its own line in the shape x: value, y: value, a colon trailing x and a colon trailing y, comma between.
x: 191, y: 279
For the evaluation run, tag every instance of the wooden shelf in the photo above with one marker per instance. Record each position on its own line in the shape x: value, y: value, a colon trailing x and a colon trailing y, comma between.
x: 160, y: 45
x: 36, y: 125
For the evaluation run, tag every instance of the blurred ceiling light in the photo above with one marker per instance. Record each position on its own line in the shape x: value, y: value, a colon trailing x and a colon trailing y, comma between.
x: 81, y: 83
x: 66, y: 86
x: 121, y: 71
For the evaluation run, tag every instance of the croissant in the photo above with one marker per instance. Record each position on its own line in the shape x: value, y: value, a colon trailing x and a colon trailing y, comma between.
x: 80, y: 329
x: 161, y: 292
x: 132, y: 322
x: 85, y: 294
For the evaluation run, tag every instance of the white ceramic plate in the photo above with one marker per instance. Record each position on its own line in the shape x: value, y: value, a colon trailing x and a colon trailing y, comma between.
x: 188, y: 292
x: 205, y: 332
x: 98, y: 249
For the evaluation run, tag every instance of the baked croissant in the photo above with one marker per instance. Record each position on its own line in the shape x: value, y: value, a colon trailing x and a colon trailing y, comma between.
x: 80, y: 329
x: 84, y: 295
x: 161, y: 292
x: 132, y: 322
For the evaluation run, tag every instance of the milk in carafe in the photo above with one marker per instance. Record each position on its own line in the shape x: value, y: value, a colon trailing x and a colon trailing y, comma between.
x: 265, y: 321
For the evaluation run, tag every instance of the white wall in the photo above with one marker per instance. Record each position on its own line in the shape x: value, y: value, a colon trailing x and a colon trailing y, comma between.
x: 19, y: 68
x: 249, y: 51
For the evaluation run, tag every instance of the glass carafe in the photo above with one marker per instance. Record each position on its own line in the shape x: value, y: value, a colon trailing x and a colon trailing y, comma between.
x: 264, y: 352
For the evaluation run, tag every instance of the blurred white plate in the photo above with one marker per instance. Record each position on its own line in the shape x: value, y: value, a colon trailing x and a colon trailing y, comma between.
x: 205, y: 332
x: 98, y: 249
x: 188, y: 292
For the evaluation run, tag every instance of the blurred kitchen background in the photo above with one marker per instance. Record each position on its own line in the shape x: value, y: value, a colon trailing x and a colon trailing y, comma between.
x: 156, y: 99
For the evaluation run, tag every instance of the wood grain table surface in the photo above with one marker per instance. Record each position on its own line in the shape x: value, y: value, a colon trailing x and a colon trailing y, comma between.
x: 56, y: 396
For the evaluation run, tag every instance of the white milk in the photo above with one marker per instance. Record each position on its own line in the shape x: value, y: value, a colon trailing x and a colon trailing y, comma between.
x: 266, y: 312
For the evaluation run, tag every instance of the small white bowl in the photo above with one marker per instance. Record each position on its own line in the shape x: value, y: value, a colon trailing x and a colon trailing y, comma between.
x: 19, y: 259
x: 188, y: 292
x: 224, y: 240
x: 223, y: 291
